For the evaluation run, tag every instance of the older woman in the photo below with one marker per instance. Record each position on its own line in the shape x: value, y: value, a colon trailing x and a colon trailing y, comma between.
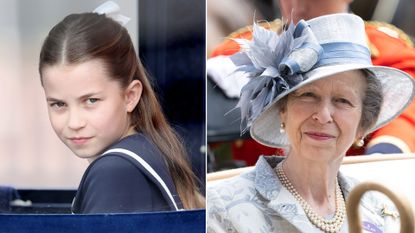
x: 314, y: 91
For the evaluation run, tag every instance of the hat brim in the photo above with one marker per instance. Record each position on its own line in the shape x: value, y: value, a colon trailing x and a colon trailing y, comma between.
x: 398, y: 91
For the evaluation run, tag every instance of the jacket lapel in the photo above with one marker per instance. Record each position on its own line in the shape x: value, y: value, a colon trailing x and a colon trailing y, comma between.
x: 281, y: 203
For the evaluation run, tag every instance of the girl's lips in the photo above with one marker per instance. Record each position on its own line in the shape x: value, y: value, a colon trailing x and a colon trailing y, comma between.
x: 319, y: 136
x: 79, y: 140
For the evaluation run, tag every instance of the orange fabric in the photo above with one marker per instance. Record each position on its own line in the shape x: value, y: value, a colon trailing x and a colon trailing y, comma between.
x: 393, y: 52
x: 229, y: 46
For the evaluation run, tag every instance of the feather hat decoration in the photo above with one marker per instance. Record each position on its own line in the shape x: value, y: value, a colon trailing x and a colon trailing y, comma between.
x: 274, y: 63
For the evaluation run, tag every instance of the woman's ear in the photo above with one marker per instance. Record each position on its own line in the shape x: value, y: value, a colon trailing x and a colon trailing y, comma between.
x: 360, y: 134
x: 132, y: 95
x: 283, y: 114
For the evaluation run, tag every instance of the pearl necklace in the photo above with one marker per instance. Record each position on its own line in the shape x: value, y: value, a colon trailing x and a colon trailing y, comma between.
x: 327, y: 225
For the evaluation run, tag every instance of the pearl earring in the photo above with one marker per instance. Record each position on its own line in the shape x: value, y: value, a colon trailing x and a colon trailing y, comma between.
x: 360, y: 142
x: 282, y: 128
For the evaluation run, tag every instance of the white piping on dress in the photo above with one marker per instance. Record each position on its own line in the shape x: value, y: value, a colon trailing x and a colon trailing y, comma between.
x: 147, y: 167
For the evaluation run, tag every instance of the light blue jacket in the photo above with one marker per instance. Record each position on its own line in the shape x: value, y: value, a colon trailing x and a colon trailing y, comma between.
x: 256, y: 201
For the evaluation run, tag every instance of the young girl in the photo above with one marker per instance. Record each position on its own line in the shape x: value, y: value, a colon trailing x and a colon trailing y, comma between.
x: 102, y: 106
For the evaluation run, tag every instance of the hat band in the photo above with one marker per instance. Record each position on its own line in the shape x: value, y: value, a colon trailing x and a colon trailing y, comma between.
x: 343, y: 53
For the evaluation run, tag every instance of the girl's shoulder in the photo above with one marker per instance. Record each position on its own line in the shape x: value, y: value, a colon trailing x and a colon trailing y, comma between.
x: 138, y: 144
x: 128, y: 159
x: 143, y: 155
x: 132, y: 162
x: 138, y: 150
x: 112, y: 163
x: 114, y: 183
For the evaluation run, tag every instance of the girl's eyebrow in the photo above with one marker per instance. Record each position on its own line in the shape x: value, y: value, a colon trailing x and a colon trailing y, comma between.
x: 89, y: 95
x: 50, y: 99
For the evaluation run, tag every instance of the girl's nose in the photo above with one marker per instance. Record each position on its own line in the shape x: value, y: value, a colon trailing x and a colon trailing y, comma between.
x: 75, y: 120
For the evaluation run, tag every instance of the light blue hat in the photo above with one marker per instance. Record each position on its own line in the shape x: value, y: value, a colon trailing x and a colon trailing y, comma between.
x: 311, y: 50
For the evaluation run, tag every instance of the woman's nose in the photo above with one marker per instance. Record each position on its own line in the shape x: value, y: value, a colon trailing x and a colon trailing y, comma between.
x: 323, y: 113
x: 75, y: 119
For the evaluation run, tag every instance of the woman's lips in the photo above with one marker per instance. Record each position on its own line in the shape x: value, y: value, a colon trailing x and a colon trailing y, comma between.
x: 79, y: 140
x: 319, y: 136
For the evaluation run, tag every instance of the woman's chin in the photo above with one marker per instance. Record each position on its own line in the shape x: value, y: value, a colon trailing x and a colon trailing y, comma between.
x: 320, y: 151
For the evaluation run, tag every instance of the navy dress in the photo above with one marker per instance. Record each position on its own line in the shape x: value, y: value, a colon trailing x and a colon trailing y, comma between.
x: 131, y: 176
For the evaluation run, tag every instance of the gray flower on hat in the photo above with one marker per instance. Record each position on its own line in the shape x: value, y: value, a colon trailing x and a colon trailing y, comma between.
x: 274, y: 63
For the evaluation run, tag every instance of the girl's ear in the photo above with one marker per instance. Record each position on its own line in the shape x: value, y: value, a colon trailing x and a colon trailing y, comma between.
x: 132, y: 95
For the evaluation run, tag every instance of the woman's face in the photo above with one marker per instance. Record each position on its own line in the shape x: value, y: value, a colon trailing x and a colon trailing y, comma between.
x: 87, y: 110
x: 322, y: 119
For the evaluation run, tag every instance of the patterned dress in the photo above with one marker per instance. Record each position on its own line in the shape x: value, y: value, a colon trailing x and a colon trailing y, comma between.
x: 256, y: 201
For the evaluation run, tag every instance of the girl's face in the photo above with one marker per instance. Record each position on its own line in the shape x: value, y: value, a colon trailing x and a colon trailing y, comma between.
x: 88, y: 110
x: 322, y: 119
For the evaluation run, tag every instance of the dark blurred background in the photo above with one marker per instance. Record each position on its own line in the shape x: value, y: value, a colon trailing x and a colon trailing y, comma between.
x: 172, y: 47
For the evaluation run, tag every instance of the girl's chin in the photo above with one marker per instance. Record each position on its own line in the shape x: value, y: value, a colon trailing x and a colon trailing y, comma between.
x: 85, y: 155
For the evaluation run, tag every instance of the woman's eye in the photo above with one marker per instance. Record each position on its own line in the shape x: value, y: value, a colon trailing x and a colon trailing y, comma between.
x: 308, y: 94
x: 344, y: 101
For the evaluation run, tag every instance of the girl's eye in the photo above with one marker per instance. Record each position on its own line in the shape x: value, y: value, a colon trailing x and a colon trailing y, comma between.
x: 92, y: 100
x: 57, y: 105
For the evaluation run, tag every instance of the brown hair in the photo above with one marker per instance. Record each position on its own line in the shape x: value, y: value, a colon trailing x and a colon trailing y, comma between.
x: 371, y: 103
x: 81, y: 37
